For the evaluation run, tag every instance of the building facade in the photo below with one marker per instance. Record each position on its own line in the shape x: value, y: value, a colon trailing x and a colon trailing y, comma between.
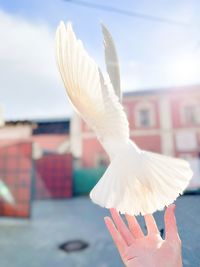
x: 165, y: 121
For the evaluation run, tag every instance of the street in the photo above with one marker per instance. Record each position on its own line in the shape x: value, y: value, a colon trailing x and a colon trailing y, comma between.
x: 35, y: 242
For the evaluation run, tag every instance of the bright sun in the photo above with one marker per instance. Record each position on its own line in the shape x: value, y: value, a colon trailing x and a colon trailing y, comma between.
x: 185, y: 70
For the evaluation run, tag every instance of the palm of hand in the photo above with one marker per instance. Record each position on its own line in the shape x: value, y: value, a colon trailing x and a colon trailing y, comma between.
x: 150, y: 250
x: 138, y: 250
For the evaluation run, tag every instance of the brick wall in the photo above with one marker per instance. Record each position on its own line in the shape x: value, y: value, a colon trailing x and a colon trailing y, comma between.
x: 53, y: 176
x: 16, y: 176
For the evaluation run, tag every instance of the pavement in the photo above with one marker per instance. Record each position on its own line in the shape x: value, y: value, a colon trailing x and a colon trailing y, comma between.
x: 34, y: 242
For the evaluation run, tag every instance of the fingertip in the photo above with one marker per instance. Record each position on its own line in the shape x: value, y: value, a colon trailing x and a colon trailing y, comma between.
x: 147, y: 215
x: 113, y: 210
x: 128, y: 216
x: 170, y: 222
x: 114, y: 213
x: 172, y: 207
x: 109, y: 224
x: 107, y: 219
x: 150, y: 224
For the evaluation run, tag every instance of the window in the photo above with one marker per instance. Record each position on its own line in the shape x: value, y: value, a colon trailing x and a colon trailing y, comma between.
x: 190, y: 112
x: 144, y: 117
x: 101, y: 160
x: 145, y: 114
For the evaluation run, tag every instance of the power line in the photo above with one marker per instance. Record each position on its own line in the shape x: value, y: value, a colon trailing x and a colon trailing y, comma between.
x: 128, y: 13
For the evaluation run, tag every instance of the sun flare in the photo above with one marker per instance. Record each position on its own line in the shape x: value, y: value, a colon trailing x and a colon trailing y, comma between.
x: 185, y: 70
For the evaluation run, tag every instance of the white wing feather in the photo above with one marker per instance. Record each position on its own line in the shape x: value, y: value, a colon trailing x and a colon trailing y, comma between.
x: 95, y: 101
x: 111, y: 59
x: 136, y: 181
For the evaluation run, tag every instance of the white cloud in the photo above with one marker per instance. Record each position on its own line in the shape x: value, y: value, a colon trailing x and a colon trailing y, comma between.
x: 30, y: 86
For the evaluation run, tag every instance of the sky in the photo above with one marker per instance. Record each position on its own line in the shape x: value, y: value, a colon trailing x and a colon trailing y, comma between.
x: 152, y: 54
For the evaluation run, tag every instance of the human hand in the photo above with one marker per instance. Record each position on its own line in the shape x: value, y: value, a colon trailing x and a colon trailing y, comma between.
x: 138, y: 250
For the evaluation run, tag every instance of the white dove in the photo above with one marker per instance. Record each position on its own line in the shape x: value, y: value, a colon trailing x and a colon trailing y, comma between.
x: 136, y: 181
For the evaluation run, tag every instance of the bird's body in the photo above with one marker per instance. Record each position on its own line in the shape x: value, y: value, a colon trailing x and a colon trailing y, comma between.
x: 136, y: 181
x: 139, y: 181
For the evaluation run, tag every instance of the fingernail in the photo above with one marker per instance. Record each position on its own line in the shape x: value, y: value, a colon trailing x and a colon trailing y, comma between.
x: 172, y: 207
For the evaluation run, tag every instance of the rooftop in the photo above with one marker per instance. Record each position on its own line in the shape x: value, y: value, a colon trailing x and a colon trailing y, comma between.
x: 163, y: 90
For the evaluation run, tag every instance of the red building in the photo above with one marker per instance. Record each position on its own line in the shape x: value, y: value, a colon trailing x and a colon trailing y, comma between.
x: 35, y: 163
x: 166, y: 121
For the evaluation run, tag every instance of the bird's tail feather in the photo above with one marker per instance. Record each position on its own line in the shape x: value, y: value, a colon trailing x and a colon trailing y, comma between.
x: 141, y: 183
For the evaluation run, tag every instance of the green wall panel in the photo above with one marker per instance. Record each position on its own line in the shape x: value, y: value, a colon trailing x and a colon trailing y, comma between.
x: 85, y: 179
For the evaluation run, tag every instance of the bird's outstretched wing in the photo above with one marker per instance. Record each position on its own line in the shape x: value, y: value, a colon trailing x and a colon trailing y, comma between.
x: 95, y: 101
x: 111, y: 60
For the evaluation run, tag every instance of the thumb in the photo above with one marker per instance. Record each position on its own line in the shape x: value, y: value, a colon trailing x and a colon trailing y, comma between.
x: 170, y: 224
